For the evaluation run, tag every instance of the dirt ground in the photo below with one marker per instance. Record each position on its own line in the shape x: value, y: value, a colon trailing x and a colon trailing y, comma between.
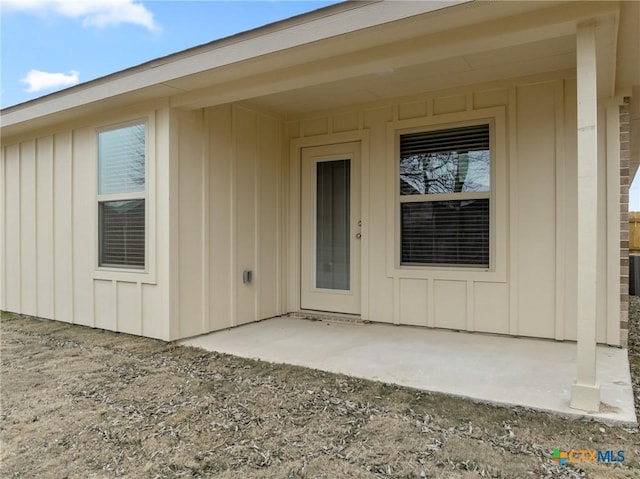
x: 80, y: 403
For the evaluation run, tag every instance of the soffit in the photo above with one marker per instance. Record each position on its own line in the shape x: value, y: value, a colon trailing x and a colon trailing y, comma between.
x: 509, y: 62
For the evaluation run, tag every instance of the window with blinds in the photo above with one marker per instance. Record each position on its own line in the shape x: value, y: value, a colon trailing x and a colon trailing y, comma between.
x: 122, y: 197
x: 445, y: 194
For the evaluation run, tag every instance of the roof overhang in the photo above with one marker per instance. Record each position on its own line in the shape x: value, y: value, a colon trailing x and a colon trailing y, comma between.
x: 161, y: 77
x: 339, y: 43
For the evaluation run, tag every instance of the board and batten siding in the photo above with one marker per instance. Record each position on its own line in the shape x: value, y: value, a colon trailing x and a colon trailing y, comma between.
x: 222, y: 202
x: 49, y: 231
x: 227, y: 182
x: 536, y: 295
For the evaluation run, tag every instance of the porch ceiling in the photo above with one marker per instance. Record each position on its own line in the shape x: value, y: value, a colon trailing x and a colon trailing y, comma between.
x: 345, y: 69
x: 508, y: 62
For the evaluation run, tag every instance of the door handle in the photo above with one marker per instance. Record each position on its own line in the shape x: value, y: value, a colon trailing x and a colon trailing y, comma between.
x: 358, y: 235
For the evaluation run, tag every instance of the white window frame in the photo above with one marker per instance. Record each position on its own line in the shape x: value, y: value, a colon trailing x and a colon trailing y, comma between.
x: 495, y: 118
x: 116, y: 273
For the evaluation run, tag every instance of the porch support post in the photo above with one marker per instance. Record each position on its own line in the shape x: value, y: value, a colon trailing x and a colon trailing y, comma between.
x: 585, y: 392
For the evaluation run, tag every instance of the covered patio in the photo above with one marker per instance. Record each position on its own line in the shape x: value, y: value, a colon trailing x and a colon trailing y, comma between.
x: 526, y: 372
x: 239, y: 132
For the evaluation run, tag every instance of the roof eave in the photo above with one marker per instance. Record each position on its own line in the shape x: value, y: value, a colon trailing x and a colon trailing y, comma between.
x: 296, y: 31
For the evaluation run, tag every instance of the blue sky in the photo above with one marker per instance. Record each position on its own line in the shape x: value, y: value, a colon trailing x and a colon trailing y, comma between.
x: 47, y: 45
x: 634, y: 194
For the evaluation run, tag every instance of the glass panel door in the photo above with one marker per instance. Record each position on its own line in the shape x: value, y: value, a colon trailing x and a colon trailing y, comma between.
x: 333, y: 219
x: 330, y: 228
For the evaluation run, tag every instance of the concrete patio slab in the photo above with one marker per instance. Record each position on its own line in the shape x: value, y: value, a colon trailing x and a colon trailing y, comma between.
x: 505, y: 370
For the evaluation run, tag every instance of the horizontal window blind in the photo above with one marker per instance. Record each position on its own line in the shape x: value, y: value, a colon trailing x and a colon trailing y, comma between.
x: 467, y: 138
x: 122, y: 233
x: 445, y: 232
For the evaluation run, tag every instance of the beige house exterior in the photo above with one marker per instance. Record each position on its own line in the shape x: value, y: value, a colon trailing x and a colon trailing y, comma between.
x: 239, y: 136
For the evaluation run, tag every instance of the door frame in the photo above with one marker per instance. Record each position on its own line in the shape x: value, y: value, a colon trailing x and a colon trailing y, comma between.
x: 313, y: 297
x: 292, y: 248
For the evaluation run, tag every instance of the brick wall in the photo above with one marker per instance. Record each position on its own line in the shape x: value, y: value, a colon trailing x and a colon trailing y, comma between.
x: 624, y: 222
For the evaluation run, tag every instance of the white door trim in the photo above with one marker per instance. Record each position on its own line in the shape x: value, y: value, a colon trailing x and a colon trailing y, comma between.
x: 292, y: 204
x: 314, y: 297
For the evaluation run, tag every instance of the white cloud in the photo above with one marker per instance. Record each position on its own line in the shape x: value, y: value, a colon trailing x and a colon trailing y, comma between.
x: 98, y: 13
x: 38, y: 81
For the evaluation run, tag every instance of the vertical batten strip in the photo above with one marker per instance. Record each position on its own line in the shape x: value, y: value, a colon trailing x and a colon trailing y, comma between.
x: 234, y: 221
x: 257, y: 163
x: 72, y: 229
x: 164, y: 215
x: 93, y: 305
x: 19, y: 211
x: 396, y: 300
x: 204, y: 138
x: 471, y: 320
x: 392, y: 204
x: 53, y: 228
x: 35, y: 226
x: 140, y: 311
x: 513, y: 212
x: 365, y: 216
x: 151, y: 202
x: 585, y: 392
x: 431, y: 303
x: 174, y: 225
x: 295, y: 230
x: 280, y: 219
x: 561, y: 263
x: 114, y: 298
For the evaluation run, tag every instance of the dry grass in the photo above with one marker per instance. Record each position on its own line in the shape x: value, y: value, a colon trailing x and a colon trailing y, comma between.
x: 81, y: 403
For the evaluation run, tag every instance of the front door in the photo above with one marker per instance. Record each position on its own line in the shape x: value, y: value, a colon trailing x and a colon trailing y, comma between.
x: 330, y: 228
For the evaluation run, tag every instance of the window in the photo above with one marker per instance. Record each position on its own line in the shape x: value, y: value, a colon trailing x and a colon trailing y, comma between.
x: 445, y: 194
x: 122, y: 197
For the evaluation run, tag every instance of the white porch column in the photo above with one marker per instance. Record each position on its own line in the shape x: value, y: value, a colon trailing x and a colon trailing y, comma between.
x: 585, y: 392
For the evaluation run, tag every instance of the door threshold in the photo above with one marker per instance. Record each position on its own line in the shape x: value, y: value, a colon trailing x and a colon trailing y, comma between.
x: 328, y: 316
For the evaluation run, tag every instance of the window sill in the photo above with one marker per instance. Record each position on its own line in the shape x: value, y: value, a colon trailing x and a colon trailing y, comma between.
x: 449, y: 273
x: 125, y: 275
